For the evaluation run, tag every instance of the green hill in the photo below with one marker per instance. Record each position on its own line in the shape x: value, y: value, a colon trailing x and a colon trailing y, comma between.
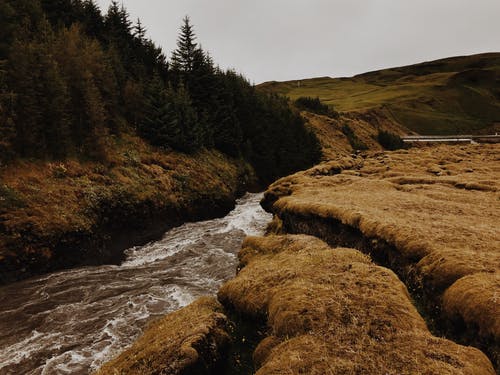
x: 448, y: 96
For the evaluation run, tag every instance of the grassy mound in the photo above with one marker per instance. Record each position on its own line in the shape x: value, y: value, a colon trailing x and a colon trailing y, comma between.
x: 450, y: 96
x: 437, y: 208
x: 332, y: 311
x: 188, y: 341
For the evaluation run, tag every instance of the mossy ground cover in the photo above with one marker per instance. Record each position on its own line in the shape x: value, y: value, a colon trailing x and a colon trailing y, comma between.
x: 188, y: 341
x: 439, y: 207
x: 332, y: 311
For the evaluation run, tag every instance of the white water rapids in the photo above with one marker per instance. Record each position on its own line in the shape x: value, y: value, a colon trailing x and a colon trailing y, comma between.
x: 70, y: 322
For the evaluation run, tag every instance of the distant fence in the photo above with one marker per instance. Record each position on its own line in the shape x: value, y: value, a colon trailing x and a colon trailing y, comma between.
x: 494, y: 138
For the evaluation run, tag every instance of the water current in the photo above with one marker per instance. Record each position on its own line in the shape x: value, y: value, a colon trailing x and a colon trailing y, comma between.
x: 70, y: 322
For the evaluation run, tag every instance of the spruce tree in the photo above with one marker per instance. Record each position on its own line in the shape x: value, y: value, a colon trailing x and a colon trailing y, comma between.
x: 92, y: 19
x: 159, y: 124
x: 183, y: 57
x: 139, y: 31
x: 7, y: 126
x: 191, y: 131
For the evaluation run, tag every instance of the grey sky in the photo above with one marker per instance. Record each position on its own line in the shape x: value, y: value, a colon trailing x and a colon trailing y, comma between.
x: 290, y: 39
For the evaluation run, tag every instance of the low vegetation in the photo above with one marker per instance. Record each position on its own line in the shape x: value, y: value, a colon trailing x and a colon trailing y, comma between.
x: 315, y: 105
x: 354, y: 141
x: 434, y: 208
x: 390, y: 141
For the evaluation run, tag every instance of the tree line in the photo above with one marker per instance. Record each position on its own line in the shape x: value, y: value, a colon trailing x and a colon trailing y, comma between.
x: 71, y: 78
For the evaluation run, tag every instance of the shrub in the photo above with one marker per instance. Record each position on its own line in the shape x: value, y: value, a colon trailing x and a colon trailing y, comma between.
x: 356, y: 143
x: 390, y: 141
x: 316, y: 106
x: 9, y: 198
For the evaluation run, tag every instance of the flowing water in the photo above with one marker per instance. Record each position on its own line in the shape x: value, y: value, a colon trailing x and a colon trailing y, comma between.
x: 71, y: 322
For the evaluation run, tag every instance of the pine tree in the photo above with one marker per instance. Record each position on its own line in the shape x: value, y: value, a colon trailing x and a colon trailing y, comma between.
x: 118, y: 29
x: 183, y: 57
x: 92, y: 19
x: 139, y: 31
x: 160, y: 123
x: 42, y: 123
x: 192, y: 134
x: 91, y: 85
x: 7, y: 126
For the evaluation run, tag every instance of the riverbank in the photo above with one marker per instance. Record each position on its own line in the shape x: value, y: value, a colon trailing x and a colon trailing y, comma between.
x: 315, y: 310
x: 60, y: 215
x: 410, y: 254
x: 430, y: 215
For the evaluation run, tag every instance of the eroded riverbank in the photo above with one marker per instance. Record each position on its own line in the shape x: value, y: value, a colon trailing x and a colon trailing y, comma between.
x: 430, y: 215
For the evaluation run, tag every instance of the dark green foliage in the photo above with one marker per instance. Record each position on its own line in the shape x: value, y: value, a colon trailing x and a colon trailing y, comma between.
x: 390, y: 141
x: 170, y: 120
x: 42, y: 124
x: 71, y: 77
x: 183, y: 58
x: 9, y: 198
x: 7, y: 126
x: 356, y: 143
x: 316, y: 106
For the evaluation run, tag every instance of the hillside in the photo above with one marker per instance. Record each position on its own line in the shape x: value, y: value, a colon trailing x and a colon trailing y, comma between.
x: 55, y: 215
x: 458, y: 95
x: 104, y: 141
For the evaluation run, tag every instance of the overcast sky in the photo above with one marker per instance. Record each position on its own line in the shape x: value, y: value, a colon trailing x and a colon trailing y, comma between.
x: 291, y: 39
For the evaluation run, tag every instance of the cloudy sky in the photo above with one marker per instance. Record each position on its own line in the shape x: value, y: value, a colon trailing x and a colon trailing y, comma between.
x: 291, y: 39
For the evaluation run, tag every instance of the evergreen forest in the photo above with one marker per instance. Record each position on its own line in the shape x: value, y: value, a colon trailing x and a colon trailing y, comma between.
x: 72, y: 77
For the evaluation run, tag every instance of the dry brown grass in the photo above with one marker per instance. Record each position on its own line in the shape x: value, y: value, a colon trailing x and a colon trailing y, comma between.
x: 334, y: 142
x: 53, y: 199
x: 186, y: 341
x: 439, y: 207
x: 332, y: 311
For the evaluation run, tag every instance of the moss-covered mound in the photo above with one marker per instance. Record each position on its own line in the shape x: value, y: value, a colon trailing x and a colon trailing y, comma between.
x: 431, y: 214
x: 332, y: 311
x: 188, y: 341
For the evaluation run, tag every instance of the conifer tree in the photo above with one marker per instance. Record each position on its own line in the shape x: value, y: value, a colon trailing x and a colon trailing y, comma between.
x: 7, y: 126
x: 92, y: 19
x: 139, y: 31
x: 159, y: 125
x: 183, y: 57
x: 191, y: 131
x: 40, y: 108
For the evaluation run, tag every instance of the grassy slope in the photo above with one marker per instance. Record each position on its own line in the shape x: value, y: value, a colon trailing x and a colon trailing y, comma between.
x: 48, y: 210
x: 449, y: 96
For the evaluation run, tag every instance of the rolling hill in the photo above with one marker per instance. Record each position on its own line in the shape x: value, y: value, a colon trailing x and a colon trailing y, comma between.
x: 457, y: 95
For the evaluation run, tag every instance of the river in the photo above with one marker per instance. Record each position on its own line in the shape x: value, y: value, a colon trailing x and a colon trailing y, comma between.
x: 70, y: 322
